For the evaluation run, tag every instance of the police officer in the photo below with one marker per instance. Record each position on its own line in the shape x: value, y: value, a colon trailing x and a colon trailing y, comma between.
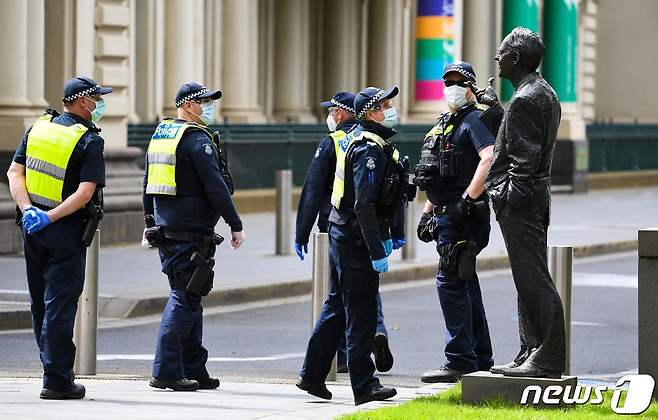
x: 455, y: 157
x: 56, y: 171
x: 186, y: 190
x: 315, y: 198
x: 359, y: 240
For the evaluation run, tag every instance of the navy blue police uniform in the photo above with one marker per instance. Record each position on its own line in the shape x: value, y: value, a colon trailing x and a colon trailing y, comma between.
x: 468, y: 344
x: 55, y: 255
x: 187, y: 220
x: 355, y: 241
x: 315, y: 203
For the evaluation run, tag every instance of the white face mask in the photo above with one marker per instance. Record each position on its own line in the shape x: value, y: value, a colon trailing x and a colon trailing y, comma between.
x: 455, y: 96
x: 331, y: 123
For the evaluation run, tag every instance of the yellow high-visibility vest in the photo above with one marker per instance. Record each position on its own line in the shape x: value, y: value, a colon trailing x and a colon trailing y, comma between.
x: 49, y: 149
x: 161, y: 156
x: 342, y: 148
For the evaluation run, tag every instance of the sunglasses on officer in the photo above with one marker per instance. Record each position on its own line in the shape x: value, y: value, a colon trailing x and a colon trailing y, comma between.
x: 463, y: 84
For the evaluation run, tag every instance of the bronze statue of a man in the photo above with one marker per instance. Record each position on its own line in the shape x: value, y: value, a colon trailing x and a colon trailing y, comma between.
x: 518, y: 184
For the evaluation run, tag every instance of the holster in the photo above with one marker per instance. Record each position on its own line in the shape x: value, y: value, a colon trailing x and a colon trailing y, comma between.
x: 458, y: 258
x: 94, y: 214
x: 201, y: 281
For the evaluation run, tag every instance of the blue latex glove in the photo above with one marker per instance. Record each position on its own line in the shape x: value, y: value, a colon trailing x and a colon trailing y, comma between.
x: 301, y: 249
x: 380, y: 265
x: 399, y: 243
x: 34, y: 219
x: 388, y: 246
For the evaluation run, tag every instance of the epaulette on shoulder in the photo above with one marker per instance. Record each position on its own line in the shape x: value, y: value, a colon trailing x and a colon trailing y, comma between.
x: 51, y: 111
x: 441, y: 117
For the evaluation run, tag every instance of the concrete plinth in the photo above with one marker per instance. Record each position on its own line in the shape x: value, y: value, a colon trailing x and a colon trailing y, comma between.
x: 478, y: 387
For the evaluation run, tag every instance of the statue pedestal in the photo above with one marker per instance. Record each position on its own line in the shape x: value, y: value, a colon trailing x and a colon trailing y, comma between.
x: 478, y: 387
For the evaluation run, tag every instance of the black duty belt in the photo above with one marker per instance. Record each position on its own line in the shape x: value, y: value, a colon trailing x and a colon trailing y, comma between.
x: 183, y: 236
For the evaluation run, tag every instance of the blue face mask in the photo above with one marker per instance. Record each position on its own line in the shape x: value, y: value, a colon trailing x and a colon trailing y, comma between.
x: 208, y: 112
x: 390, y: 118
x: 98, y: 112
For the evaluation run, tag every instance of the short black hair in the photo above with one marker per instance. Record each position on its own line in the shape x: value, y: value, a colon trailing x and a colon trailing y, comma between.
x: 529, y: 46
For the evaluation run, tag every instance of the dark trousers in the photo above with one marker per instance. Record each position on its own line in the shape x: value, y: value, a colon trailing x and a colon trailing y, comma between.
x: 468, y: 344
x: 351, y: 311
x: 55, y: 262
x: 540, y: 312
x: 179, y: 353
x: 381, y: 329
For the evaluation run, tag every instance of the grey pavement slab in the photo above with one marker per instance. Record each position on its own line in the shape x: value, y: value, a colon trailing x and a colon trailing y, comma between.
x: 134, y: 399
x: 134, y: 272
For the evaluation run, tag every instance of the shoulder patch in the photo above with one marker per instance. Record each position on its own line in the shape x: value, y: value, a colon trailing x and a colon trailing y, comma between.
x: 317, y: 152
x: 371, y: 164
x: 207, y: 148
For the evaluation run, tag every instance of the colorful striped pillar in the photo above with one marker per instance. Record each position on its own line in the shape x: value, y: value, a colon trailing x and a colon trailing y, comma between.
x: 435, y: 40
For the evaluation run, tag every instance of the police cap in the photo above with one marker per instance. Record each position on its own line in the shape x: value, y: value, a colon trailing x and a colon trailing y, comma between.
x: 461, y: 67
x: 369, y: 96
x: 194, y: 90
x: 82, y: 86
x: 343, y: 100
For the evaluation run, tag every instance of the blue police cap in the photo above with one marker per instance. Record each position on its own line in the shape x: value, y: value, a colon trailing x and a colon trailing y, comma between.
x: 344, y: 100
x: 82, y: 86
x: 369, y: 96
x: 461, y: 67
x: 194, y: 90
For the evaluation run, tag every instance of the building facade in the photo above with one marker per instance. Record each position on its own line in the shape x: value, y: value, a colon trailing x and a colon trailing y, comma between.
x: 275, y: 60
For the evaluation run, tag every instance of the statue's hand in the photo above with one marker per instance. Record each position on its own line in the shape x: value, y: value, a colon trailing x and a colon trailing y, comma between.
x: 486, y: 96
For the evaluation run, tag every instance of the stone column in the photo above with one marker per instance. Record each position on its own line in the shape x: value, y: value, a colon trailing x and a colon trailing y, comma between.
x: 112, y: 57
x: 21, y: 94
x: 341, y: 51
x: 150, y: 51
x: 480, y: 38
x: 292, y: 43
x: 240, y: 53
x: 561, y: 69
x: 183, y: 56
x: 15, y: 113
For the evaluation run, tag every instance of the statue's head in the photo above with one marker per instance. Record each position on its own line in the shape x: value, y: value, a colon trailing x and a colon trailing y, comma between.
x: 520, y: 52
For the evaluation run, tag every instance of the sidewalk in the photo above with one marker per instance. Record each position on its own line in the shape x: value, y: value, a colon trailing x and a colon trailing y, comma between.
x: 126, y: 398
x: 131, y: 284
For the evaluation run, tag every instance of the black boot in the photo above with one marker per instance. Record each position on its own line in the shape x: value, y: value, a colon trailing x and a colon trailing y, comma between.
x: 379, y: 393
x: 75, y: 392
x: 208, y: 383
x: 319, y: 390
x: 383, y: 356
x: 443, y: 374
x: 175, y: 384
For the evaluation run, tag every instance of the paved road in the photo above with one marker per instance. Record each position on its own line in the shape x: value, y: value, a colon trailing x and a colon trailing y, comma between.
x: 131, y: 271
x: 266, y: 344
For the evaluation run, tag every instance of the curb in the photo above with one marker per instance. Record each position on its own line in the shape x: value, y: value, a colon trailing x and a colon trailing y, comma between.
x: 119, y: 307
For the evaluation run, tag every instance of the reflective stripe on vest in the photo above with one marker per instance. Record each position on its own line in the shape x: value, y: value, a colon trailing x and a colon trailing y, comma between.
x: 161, y: 157
x: 49, y: 149
x: 342, y: 145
